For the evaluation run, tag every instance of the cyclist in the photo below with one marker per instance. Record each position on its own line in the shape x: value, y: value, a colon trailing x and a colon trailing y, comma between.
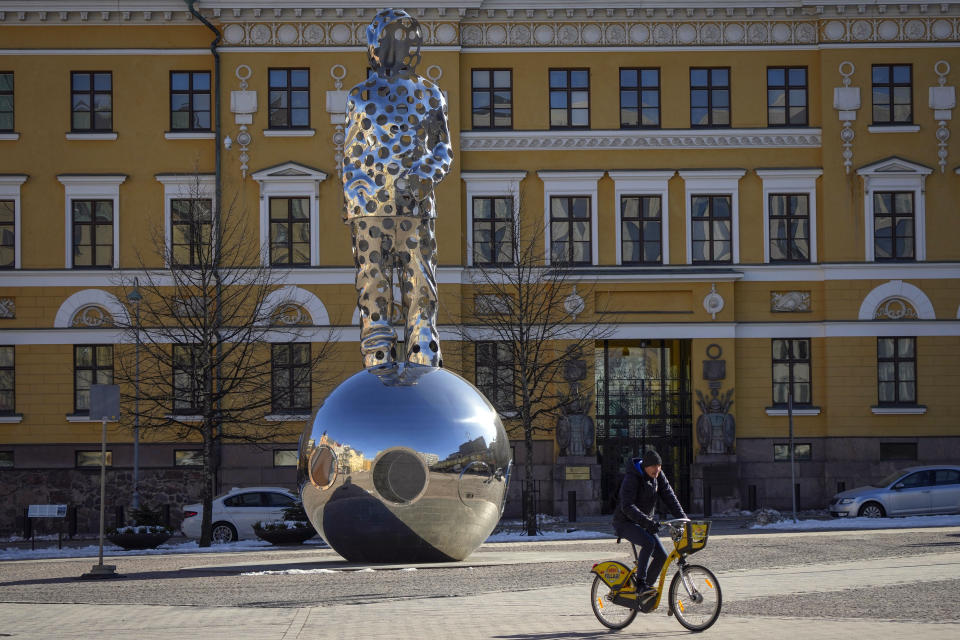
x: 633, y: 518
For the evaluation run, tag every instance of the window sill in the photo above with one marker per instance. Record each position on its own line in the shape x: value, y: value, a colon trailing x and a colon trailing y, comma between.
x: 797, y: 411
x: 177, y: 417
x: 189, y: 135
x: 289, y: 133
x: 907, y: 409
x: 9, y: 136
x: 896, y: 128
x: 287, y: 417
x: 11, y: 418
x: 111, y: 135
x: 82, y: 417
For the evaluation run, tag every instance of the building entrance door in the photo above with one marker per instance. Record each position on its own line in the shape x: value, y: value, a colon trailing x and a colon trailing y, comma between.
x: 643, y: 401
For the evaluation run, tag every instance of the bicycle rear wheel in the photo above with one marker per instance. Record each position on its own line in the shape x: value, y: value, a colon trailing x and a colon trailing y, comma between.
x: 610, y: 615
x: 696, y: 604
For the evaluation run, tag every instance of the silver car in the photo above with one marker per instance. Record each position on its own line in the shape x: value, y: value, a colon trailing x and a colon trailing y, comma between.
x: 235, y: 512
x: 909, y: 492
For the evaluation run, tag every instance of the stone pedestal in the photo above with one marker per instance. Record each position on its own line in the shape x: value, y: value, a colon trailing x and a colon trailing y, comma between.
x: 580, y: 475
x: 715, y: 477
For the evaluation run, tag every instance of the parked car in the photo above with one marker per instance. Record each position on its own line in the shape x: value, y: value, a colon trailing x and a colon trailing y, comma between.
x: 908, y: 492
x: 235, y: 512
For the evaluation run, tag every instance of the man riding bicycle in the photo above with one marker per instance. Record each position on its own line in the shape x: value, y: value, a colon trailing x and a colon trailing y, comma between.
x: 633, y: 518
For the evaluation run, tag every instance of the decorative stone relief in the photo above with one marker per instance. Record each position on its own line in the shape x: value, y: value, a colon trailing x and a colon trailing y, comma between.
x: 895, y: 309
x: 846, y: 100
x: 481, y: 140
x: 290, y: 314
x: 574, y: 303
x: 713, y: 302
x: 943, y: 99
x: 575, y: 428
x: 91, y: 316
x: 337, y: 108
x: 716, y: 427
x: 789, y: 301
x: 243, y: 104
x: 8, y: 308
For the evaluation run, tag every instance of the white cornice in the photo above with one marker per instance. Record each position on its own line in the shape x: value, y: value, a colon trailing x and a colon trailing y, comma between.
x: 641, y: 139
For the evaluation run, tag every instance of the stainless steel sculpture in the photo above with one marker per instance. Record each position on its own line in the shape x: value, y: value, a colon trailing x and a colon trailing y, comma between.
x: 404, y: 461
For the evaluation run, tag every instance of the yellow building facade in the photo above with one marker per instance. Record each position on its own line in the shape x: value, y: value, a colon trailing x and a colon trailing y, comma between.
x: 760, y: 199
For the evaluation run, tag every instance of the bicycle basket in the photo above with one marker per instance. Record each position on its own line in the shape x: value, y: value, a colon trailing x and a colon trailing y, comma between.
x: 694, y: 537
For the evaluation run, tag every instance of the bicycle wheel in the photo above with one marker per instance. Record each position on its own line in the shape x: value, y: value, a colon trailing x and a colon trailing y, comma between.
x: 696, y: 604
x: 610, y: 615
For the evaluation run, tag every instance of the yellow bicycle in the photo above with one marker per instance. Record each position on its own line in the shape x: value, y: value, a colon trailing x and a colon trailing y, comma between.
x: 694, y: 599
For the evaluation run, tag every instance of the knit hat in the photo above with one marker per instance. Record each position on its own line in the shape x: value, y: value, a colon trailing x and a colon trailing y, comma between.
x: 651, y: 458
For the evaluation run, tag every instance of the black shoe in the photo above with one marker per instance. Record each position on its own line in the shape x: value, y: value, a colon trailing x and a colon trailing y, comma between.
x: 644, y: 591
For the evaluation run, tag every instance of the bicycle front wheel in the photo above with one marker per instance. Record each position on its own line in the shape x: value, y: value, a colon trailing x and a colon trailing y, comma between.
x: 695, y: 597
x: 610, y: 615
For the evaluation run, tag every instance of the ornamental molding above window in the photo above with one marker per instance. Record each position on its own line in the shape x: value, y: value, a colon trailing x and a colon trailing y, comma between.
x: 490, y: 140
x: 896, y: 300
x: 90, y: 308
x: 294, y: 306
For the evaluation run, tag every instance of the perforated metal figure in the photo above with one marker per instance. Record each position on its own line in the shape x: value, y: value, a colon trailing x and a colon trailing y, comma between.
x: 396, y: 150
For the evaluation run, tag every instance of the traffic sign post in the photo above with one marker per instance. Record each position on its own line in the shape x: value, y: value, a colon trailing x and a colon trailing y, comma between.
x: 104, y: 406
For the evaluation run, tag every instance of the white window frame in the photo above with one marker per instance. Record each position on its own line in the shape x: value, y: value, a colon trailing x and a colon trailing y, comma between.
x: 790, y: 181
x: 643, y: 183
x: 90, y: 187
x: 713, y: 182
x: 289, y: 180
x: 571, y: 183
x: 492, y: 184
x: 10, y: 190
x: 183, y: 187
x: 895, y: 174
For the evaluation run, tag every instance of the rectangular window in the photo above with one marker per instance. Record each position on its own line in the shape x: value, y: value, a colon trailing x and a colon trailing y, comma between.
x: 896, y: 371
x: 289, y: 98
x: 92, y: 364
x: 492, y: 231
x: 570, y: 241
x: 291, y: 379
x: 898, y: 451
x: 6, y: 101
x: 801, y: 452
x: 711, y: 225
x: 494, y: 373
x: 187, y: 379
x: 290, y: 232
x: 8, y: 398
x: 791, y: 366
x: 640, y: 229
x: 92, y: 459
x: 8, y: 235
x: 285, y: 457
x: 709, y: 97
x: 187, y: 458
x: 787, y: 96
x: 91, y: 106
x: 492, y: 98
x: 569, y: 98
x: 639, y: 98
x: 189, y: 100
x: 892, y: 94
x: 92, y: 233
x: 893, y: 226
x: 6, y: 459
x: 789, y: 227
x: 191, y: 225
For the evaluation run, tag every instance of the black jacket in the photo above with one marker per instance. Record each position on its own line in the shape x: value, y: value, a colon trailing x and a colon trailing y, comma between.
x: 638, y: 497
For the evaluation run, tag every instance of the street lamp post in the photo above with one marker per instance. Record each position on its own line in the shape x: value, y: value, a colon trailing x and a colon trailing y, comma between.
x: 134, y: 297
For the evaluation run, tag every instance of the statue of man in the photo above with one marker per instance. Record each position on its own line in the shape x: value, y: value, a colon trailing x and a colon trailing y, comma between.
x: 396, y: 150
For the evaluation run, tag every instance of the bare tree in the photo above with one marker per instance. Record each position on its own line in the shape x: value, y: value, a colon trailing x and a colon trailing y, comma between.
x: 533, y: 317
x: 209, y: 329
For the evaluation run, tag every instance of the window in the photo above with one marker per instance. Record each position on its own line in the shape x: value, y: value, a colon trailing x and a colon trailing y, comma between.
x: 709, y: 97
x: 639, y: 98
x: 640, y: 229
x: 940, y: 476
x: 801, y: 452
x: 6, y: 101
x: 492, y: 98
x: 892, y: 94
x: 915, y: 480
x: 289, y: 98
x: 91, y: 94
x: 285, y: 457
x: 290, y: 372
x: 492, y: 231
x: 896, y: 371
x: 191, y: 225
x: 569, y: 98
x: 898, y: 451
x: 711, y: 226
x: 187, y: 458
x: 290, y: 180
x: 570, y: 230
x: 92, y: 233
x: 6, y: 459
x: 189, y: 100
x: 789, y: 216
x: 893, y: 225
x: 187, y: 379
x: 787, y: 96
x: 92, y: 458
x: 791, y: 366
x: 8, y: 234
x: 92, y: 364
x: 8, y: 403
x: 494, y: 373
x: 290, y: 231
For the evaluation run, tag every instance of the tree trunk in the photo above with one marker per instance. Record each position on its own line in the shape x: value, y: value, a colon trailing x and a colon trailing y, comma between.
x: 207, y: 496
x: 531, y: 506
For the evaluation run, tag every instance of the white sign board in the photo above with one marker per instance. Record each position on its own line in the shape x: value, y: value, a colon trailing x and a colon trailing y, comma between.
x: 47, y: 511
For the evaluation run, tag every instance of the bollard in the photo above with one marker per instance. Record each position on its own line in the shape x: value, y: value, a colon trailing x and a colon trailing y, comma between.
x: 118, y: 511
x: 571, y: 506
x: 796, y: 493
x: 707, y: 501
x: 752, y: 497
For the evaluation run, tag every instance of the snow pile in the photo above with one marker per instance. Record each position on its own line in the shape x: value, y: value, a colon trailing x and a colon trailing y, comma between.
x: 909, y: 522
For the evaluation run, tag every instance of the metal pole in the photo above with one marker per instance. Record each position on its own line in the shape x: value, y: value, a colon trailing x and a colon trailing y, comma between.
x: 103, y: 484
x: 793, y: 471
x: 136, y: 410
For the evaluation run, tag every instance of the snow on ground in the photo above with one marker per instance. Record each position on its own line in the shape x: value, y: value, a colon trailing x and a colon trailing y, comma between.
x: 908, y: 522
x: 14, y: 553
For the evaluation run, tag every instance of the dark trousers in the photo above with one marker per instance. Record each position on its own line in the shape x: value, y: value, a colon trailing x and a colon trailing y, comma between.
x: 651, y: 549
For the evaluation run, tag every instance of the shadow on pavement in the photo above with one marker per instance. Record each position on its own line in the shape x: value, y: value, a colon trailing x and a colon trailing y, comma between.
x: 590, y: 635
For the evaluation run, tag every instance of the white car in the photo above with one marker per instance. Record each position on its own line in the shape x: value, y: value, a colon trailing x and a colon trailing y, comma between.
x: 235, y: 512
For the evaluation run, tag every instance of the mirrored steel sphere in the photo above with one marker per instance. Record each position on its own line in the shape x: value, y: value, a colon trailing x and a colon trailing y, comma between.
x: 404, y: 463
